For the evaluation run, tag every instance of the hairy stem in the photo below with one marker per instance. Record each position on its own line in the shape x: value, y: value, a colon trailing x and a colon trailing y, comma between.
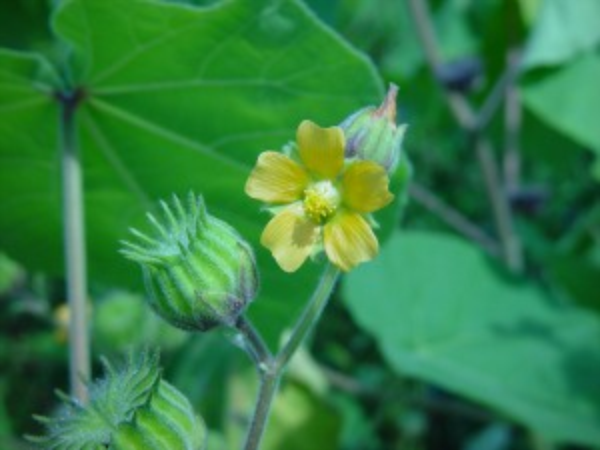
x: 310, y: 316
x: 254, y: 344
x: 74, y: 244
x: 511, y: 248
x: 269, y: 382
x: 502, y: 88
x: 512, y: 129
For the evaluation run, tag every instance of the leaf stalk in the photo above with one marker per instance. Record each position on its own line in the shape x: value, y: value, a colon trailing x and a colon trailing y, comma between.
x: 74, y: 244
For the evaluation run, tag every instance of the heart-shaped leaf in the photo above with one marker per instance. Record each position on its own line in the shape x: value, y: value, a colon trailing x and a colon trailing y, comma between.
x: 176, y: 98
x: 440, y: 312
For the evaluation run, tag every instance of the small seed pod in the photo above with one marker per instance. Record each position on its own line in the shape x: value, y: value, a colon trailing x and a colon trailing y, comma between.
x: 199, y: 272
x: 372, y: 134
x: 132, y: 408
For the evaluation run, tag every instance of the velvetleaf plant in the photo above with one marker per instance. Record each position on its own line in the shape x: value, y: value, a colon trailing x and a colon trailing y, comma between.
x: 200, y: 273
x: 130, y: 101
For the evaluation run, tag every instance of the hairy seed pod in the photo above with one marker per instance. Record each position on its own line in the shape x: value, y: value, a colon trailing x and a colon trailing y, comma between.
x: 132, y: 408
x: 198, y: 270
x: 165, y: 422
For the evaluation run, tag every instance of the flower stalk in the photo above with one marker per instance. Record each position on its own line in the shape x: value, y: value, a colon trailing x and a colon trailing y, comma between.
x: 310, y: 316
x: 269, y: 384
x: 271, y: 368
x: 322, y: 193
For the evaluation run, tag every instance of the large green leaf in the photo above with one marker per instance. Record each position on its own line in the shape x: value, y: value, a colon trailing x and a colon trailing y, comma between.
x: 566, y: 40
x: 568, y: 99
x: 23, y: 23
x: 29, y: 178
x: 440, y: 312
x: 176, y: 98
x: 563, y: 30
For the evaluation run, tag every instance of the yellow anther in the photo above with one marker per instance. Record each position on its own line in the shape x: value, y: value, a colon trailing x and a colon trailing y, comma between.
x: 321, y: 201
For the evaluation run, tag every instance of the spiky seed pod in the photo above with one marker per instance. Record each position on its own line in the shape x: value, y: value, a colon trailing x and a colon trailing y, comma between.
x: 198, y: 270
x: 132, y: 408
x: 372, y: 134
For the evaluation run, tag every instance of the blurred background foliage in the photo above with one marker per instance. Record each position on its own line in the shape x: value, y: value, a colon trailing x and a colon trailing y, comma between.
x: 464, y: 334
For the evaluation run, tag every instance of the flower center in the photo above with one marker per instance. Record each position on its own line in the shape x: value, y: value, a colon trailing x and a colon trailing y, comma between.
x: 320, y: 201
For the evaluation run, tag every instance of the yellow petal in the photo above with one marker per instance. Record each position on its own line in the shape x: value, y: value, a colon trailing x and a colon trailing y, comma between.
x: 365, y: 187
x: 276, y: 179
x: 321, y: 149
x: 291, y: 237
x: 349, y: 240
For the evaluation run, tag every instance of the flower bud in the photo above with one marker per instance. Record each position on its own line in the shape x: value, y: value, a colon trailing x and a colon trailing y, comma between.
x: 199, y: 272
x: 372, y: 134
x: 132, y: 408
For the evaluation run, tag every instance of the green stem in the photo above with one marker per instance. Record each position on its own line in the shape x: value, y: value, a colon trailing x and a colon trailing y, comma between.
x: 271, y: 369
x: 269, y: 383
x: 74, y: 242
x: 254, y: 344
x: 310, y: 316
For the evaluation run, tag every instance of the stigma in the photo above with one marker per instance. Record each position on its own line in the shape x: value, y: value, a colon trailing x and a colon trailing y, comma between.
x: 321, y: 200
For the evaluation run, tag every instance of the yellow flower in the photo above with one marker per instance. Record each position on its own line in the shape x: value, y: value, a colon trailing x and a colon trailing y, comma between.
x: 324, y: 200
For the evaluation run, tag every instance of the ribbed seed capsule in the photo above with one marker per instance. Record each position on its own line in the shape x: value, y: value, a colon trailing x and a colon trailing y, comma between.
x: 164, y: 423
x: 199, y: 272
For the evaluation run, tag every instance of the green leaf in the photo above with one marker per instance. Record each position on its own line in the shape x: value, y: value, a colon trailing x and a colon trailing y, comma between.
x: 496, y: 436
x: 579, y: 277
x: 574, y: 264
x: 564, y: 29
x: 440, y: 312
x: 551, y: 150
x: 596, y: 169
x: 566, y: 41
x: 23, y: 23
x: 29, y: 178
x: 567, y: 98
x: 176, y: 99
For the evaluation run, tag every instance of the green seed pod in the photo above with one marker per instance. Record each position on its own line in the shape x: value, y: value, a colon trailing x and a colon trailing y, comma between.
x: 132, y: 408
x: 372, y: 134
x: 164, y: 423
x: 199, y: 272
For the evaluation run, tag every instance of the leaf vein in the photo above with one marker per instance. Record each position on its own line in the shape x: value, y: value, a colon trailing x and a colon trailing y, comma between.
x: 154, y: 128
